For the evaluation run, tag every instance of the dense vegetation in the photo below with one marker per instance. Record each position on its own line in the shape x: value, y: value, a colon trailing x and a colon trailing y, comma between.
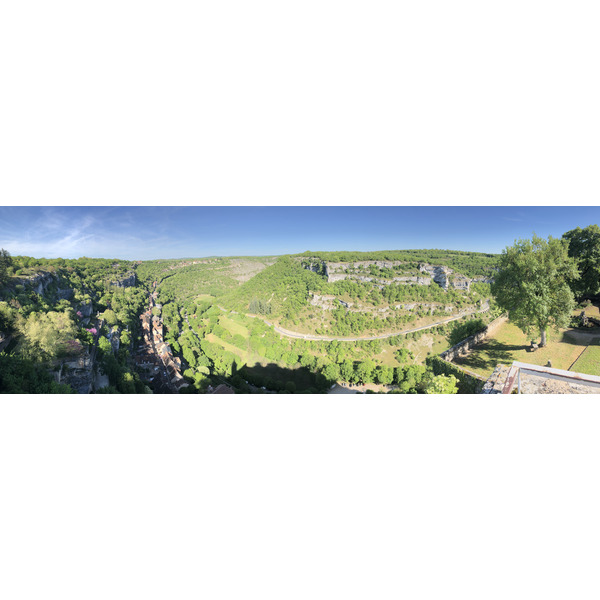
x: 532, y: 284
x: 217, y: 345
x: 285, y: 286
x: 185, y: 281
x: 285, y: 289
x: 584, y: 248
x: 56, y: 312
x: 50, y: 329
x: 47, y: 328
x: 471, y: 264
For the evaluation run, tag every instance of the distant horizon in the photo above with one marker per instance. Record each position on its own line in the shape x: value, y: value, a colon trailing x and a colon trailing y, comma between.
x: 191, y: 232
x: 252, y: 255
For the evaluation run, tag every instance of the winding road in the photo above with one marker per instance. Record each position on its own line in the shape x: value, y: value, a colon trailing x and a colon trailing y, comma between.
x: 322, y: 338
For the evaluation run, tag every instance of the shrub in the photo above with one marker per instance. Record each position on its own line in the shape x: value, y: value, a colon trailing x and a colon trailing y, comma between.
x: 461, y: 331
x: 467, y: 384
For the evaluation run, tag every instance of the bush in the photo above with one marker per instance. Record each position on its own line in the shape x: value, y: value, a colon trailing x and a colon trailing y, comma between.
x: 443, y: 384
x: 467, y: 384
x: 462, y: 331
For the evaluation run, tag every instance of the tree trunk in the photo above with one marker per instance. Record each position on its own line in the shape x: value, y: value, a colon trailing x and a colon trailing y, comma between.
x: 543, y: 340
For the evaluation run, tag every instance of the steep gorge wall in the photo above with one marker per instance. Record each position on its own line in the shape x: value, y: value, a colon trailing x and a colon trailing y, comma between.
x: 443, y: 276
x: 40, y: 283
x: 128, y: 280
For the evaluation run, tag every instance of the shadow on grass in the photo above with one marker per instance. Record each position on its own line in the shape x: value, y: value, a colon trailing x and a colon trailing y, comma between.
x: 280, y: 379
x: 581, y: 337
x: 488, y: 355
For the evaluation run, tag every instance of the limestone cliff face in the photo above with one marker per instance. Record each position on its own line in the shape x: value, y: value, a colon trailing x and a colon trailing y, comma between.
x: 127, y: 280
x: 78, y: 374
x: 438, y: 274
x: 86, y: 309
x: 443, y: 276
x: 39, y: 283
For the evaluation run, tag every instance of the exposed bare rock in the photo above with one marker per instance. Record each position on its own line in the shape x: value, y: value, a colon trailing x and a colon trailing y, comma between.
x: 127, y: 280
x: 443, y: 276
x: 243, y: 269
x: 86, y: 308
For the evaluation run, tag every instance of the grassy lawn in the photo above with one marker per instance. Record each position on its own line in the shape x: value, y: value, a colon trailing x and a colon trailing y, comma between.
x: 510, y: 344
x: 589, y: 362
x: 249, y: 357
x: 440, y: 344
x: 213, y: 339
x: 234, y: 327
x: 387, y: 357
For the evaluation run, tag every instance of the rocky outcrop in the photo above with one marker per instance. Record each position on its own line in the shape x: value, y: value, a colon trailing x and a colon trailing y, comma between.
x: 439, y: 274
x: 127, y: 280
x: 328, y: 302
x: 114, y: 337
x: 78, y: 374
x: 381, y: 282
x: 86, y: 309
x: 443, y: 276
x: 39, y: 282
x: 65, y: 294
x: 316, y: 266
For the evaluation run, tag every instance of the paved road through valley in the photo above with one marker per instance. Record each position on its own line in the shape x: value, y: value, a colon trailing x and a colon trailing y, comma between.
x: 322, y: 338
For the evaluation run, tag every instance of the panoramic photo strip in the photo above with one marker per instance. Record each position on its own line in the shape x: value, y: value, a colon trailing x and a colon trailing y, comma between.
x: 308, y: 300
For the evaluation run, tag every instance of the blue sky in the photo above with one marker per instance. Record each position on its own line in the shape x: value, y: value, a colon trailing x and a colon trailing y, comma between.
x: 145, y: 233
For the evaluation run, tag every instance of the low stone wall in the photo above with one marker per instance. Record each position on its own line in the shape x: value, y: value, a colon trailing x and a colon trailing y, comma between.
x: 463, y: 347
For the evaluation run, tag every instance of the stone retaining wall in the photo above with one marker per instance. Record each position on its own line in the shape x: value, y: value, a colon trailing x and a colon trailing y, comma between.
x: 463, y: 347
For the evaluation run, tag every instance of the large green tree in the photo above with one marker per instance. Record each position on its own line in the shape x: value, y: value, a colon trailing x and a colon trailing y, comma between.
x: 584, y: 247
x: 5, y: 263
x: 443, y: 384
x: 47, y: 336
x: 532, y: 284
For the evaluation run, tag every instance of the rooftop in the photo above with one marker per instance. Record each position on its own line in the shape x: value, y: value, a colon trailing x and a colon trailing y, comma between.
x: 525, y: 378
x: 223, y: 389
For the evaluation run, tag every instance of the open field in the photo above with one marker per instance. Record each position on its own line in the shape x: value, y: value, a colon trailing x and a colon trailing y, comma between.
x: 265, y: 368
x: 387, y: 357
x: 509, y: 344
x: 233, y: 327
x: 213, y: 339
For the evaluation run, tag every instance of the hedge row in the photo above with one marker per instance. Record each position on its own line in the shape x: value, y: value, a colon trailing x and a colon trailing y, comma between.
x: 467, y: 384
